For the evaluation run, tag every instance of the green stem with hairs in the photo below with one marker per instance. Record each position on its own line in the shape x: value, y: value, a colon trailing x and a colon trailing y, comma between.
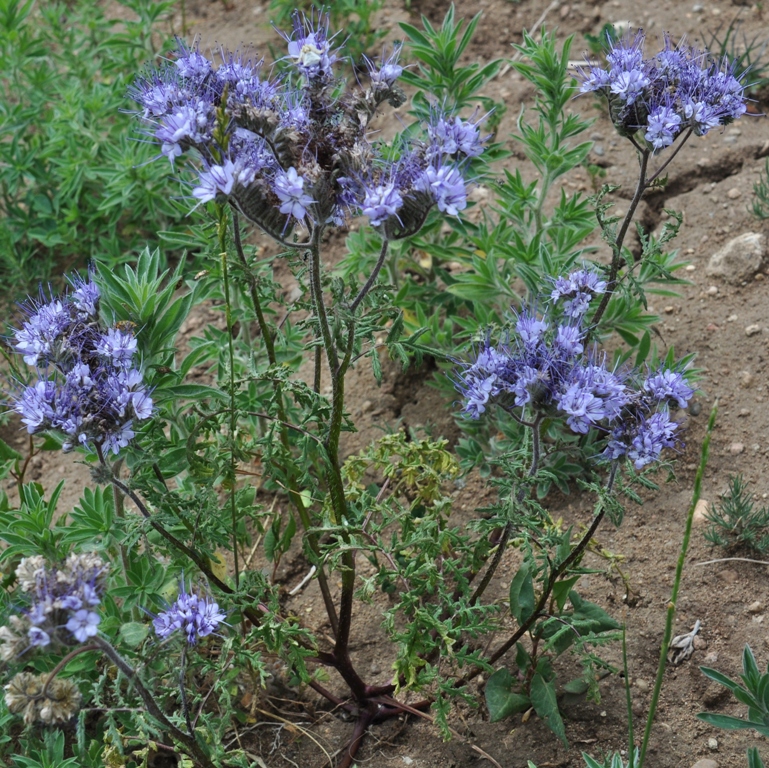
x: 671, y: 612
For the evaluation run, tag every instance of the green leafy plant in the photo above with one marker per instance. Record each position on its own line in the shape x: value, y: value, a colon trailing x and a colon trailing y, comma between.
x: 735, y: 520
x: 748, y: 53
x: 760, y: 204
x: 73, y: 183
x: 753, y: 692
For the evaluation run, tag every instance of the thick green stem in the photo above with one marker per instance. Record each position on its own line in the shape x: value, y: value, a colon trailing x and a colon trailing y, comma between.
x: 231, y: 386
x: 671, y: 612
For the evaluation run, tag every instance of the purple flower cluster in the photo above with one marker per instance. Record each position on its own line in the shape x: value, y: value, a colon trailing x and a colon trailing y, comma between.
x: 88, y: 386
x: 63, y: 599
x: 192, y: 614
x: 544, y: 369
x: 676, y: 90
x: 284, y: 153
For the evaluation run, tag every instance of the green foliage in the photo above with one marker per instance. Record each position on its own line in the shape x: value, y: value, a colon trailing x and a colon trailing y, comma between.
x: 753, y: 693
x: 760, y: 204
x: 736, y: 521
x: 748, y: 53
x: 74, y: 182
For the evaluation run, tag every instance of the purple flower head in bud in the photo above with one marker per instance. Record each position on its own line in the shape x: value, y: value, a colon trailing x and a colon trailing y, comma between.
x: 578, y: 290
x: 189, y: 125
x: 668, y: 387
x: 193, y: 615
x: 84, y: 624
x: 117, y: 346
x: 157, y: 92
x: 310, y: 47
x: 289, y: 187
x: 663, y: 127
x: 651, y: 437
x: 389, y: 71
x: 381, y: 202
x: 627, y: 54
x: 482, y: 380
x: 447, y: 187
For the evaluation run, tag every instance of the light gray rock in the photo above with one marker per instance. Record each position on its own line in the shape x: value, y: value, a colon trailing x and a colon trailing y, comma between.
x: 706, y: 763
x: 739, y: 259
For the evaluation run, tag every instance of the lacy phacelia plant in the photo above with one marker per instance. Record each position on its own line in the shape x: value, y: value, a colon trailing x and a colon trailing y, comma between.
x: 678, y: 90
x: 285, y: 153
x: 546, y: 370
x: 193, y: 615
x: 63, y: 599
x: 88, y: 385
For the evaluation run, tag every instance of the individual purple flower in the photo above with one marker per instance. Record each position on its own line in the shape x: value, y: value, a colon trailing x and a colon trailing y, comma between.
x: 189, y: 125
x: 582, y: 408
x: 84, y: 624
x: 36, y: 405
x: 310, y: 47
x: 119, y: 437
x: 381, y: 202
x: 447, y: 187
x: 38, y: 637
x: 85, y: 297
x: 193, y: 615
x: 628, y: 85
x: 652, y: 436
x: 663, y: 127
x: 454, y: 137
x: 191, y: 63
x: 36, y: 339
x: 529, y: 329
x: 577, y: 289
x: 289, y: 187
x: 218, y: 179
x: 593, y: 79
x: 117, y: 346
x: 668, y: 386
x: 568, y: 340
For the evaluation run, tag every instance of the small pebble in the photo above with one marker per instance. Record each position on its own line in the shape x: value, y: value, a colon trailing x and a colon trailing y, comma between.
x: 743, y: 413
x: 691, y: 268
x: 407, y: 760
x: 706, y: 763
x: 752, y: 330
x: 755, y: 607
x: 642, y: 685
x: 712, y: 290
x: 731, y: 318
x: 712, y: 744
x: 747, y: 379
x: 695, y: 409
x: 736, y: 449
x: 733, y: 193
x: 598, y: 150
x: 669, y: 310
x: 698, y: 8
x: 700, y: 512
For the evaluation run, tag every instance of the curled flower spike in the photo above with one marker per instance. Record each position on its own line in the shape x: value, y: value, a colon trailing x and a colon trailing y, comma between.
x: 661, y: 97
x: 61, y: 601
x: 193, y: 615
x: 544, y: 370
x: 24, y: 695
x: 88, y: 386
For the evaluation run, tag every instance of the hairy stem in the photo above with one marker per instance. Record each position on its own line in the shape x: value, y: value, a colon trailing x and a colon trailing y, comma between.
x: 222, y: 229
x: 372, y: 277
x: 188, y: 741
x: 671, y: 611
x: 294, y: 492
x: 616, y: 261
